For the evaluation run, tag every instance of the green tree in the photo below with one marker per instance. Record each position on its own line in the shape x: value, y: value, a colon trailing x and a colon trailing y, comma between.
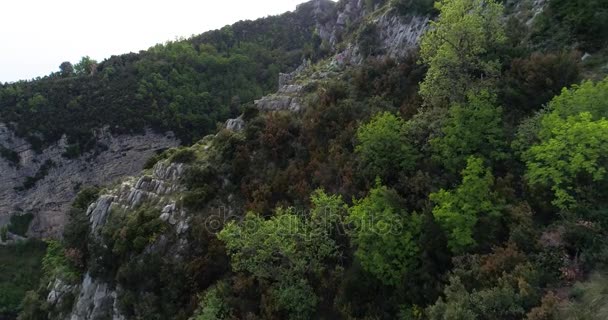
x: 459, y: 210
x: 587, y: 97
x: 66, y: 69
x: 569, y: 155
x: 271, y: 249
x: 471, y: 129
x: 85, y: 66
x: 383, y: 146
x: 459, y: 50
x: 285, y: 250
x: 385, y: 235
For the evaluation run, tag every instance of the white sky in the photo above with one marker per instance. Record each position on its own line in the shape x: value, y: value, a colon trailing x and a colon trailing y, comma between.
x: 37, y: 35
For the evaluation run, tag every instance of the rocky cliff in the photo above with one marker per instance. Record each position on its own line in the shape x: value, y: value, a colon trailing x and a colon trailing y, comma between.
x: 46, y: 183
x: 93, y: 297
x: 395, y: 36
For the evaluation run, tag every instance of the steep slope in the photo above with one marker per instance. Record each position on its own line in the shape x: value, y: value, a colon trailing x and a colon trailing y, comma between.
x: 90, y: 124
x: 176, y: 194
x: 347, y: 194
x: 45, y: 184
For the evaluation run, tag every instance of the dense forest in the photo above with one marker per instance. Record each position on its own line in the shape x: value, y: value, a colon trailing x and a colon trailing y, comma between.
x: 467, y: 180
x: 184, y: 86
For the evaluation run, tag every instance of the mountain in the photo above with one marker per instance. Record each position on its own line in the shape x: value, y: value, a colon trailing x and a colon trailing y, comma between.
x: 92, y: 123
x: 350, y: 160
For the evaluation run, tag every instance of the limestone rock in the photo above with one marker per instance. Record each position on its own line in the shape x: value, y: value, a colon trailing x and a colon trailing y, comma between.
x: 98, y: 212
x: 235, y: 125
x: 58, y: 290
x: 95, y: 301
x: 586, y: 56
x: 51, y: 197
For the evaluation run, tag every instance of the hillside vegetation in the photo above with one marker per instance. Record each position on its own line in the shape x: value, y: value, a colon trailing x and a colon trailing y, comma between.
x: 465, y: 180
x: 184, y: 86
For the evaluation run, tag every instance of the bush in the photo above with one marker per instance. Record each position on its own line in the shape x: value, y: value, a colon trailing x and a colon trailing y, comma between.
x: 368, y: 40
x: 20, y: 223
x: 56, y: 264
x: 76, y: 230
x: 460, y: 210
x: 11, y: 156
x: 212, y: 305
x: 183, y: 156
x: 535, y: 80
x: 85, y: 197
x: 153, y: 160
x: 569, y: 157
x: 590, y: 300
x: 130, y: 232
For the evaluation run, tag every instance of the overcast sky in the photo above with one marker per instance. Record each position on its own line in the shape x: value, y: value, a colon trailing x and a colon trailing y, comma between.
x: 37, y: 35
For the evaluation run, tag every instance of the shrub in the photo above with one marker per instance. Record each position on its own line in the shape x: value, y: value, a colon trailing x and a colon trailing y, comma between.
x: 153, y: 160
x: 533, y: 81
x: 460, y: 50
x: 185, y: 155
x: 11, y: 156
x: 20, y: 223
x: 590, y: 300
x: 56, y: 264
x: 212, y: 306
x: 20, y: 271
x: 569, y: 156
x: 130, y: 232
x: 582, y: 23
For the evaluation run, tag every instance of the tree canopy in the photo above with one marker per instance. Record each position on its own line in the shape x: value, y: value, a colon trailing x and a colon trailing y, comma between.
x: 460, y: 50
x: 458, y: 211
x: 385, y: 235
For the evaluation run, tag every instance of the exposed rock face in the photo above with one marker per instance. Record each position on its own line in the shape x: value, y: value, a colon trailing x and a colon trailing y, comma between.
x: 325, y: 15
x: 95, y: 301
x: 95, y: 298
x: 525, y: 11
x: 50, y: 198
x: 399, y: 36
x: 333, y: 19
x: 236, y: 125
x: 287, y: 98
